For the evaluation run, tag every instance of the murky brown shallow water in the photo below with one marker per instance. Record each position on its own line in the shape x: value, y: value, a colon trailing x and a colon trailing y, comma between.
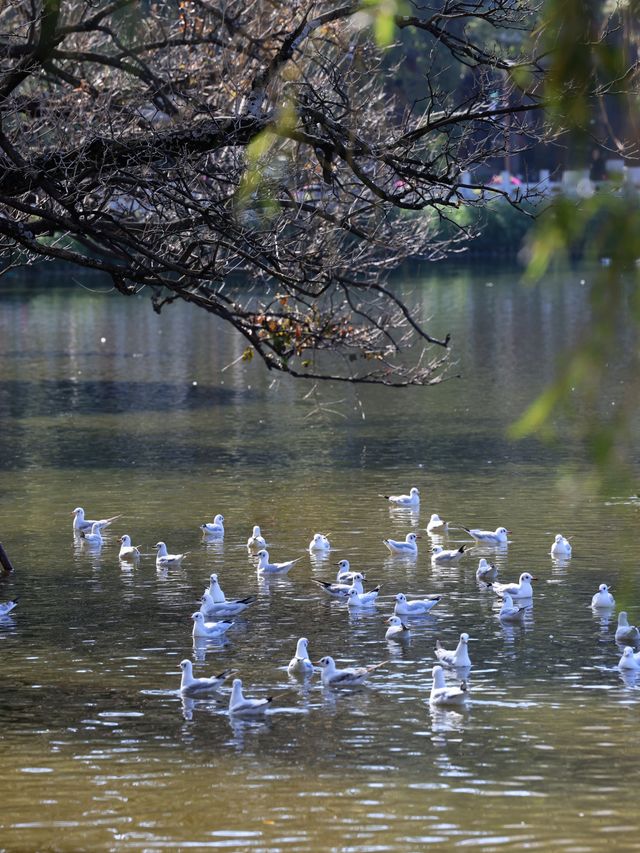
x: 100, y: 752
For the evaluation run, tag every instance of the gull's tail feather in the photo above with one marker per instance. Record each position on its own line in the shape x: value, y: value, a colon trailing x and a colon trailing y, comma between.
x: 226, y: 673
x: 372, y: 667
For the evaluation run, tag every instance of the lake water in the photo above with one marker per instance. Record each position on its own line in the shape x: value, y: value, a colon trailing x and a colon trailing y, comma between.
x: 106, y: 405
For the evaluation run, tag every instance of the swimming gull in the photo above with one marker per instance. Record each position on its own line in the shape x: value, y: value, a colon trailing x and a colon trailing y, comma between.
x: 415, y: 607
x: 408, y: 547
x: 459, y: 657
x: 300, y: 663
x: 412, y: 499
x: 443, y: 695
x: 164, y: 559
x: 397, y: 630
x: 127, y: 550
x: 268, y: 568
x: 348, y: 677
x: 82, y: 523
x: 209, y: 629
x: 190, y: 686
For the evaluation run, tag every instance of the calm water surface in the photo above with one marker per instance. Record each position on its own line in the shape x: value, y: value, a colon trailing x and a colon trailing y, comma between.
x: 106, y: 405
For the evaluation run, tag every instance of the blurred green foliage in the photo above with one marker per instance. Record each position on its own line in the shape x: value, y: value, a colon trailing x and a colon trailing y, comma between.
x: 592, y: 51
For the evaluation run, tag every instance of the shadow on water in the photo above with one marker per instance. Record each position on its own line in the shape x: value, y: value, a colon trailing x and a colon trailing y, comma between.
x: 24, y: 399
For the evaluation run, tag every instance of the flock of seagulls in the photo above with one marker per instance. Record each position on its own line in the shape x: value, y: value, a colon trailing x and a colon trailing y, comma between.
x: 215, y: 616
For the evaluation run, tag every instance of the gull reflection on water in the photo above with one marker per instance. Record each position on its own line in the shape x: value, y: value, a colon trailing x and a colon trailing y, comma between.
x: 244, y: 726
x: 445, y: 720
x: 211, y: 705
x: 631, y: 677
x: 202, y: 645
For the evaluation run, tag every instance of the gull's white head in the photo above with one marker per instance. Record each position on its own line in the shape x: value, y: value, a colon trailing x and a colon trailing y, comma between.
x: 414, y: 493
x: 327, y: 662
x: 125, y: 540
x: 236, y: 692
x: 437, y: 549
x: 464, y: 638
x: 343, y: 565
x: 525, y: 577
x: 263, y: 555
x: 394, y: 620
x: 603, y: 588
x: 352, y: 593
x: 438, y: 677
x: 401, y: 598
x: 78, y: 511
x: 185, y: 666
x: 198, y: 617
x: 507, y: 601
x: 219, y: 519
x: 502, y: 532
x: 623, y: 619
x: 434, y: 517
x: 256, y: 530
x: 160, y: 545
x: 213, y: 578
x: 301, y: 648
x: 483, y: 564
x: 358, y: 576
x: 628, y: 653
x: 411, y: 538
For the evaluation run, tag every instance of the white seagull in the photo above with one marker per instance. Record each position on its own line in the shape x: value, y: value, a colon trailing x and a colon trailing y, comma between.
x: 341, y: 590
x: 300, y: 663
x: 215, y: 601
x: 345, y: 574
x: 7, y: 607
x: 489, y: 537
x: 626, y: 633
x: 486, y: 572
x: 408, y: 547
x: 445, y: 558
x: 190, y: 686
x: 522, y: 589
x: 82, y: 523
x: 273, y: 568
x: 416, y: 607
x: 256, y: 540
x: 561, y: 547
x: 367, y: 599
x: 127, y: 550
x: 348, y: 677
x: 603, y: 600
x: 164, y: 560
x: 95, y: 537
x: 209, y: 629
x: 436, y: 524
x: 225, y: 608
x: 397, y: 630
x: 410, y: 500
x: 629, y: 659
x: 241, y: 706
x: 443, y: 695
x: 215, y: 527
x: 459, y: 658
x: 319, y: 543
x: 510, y: 612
